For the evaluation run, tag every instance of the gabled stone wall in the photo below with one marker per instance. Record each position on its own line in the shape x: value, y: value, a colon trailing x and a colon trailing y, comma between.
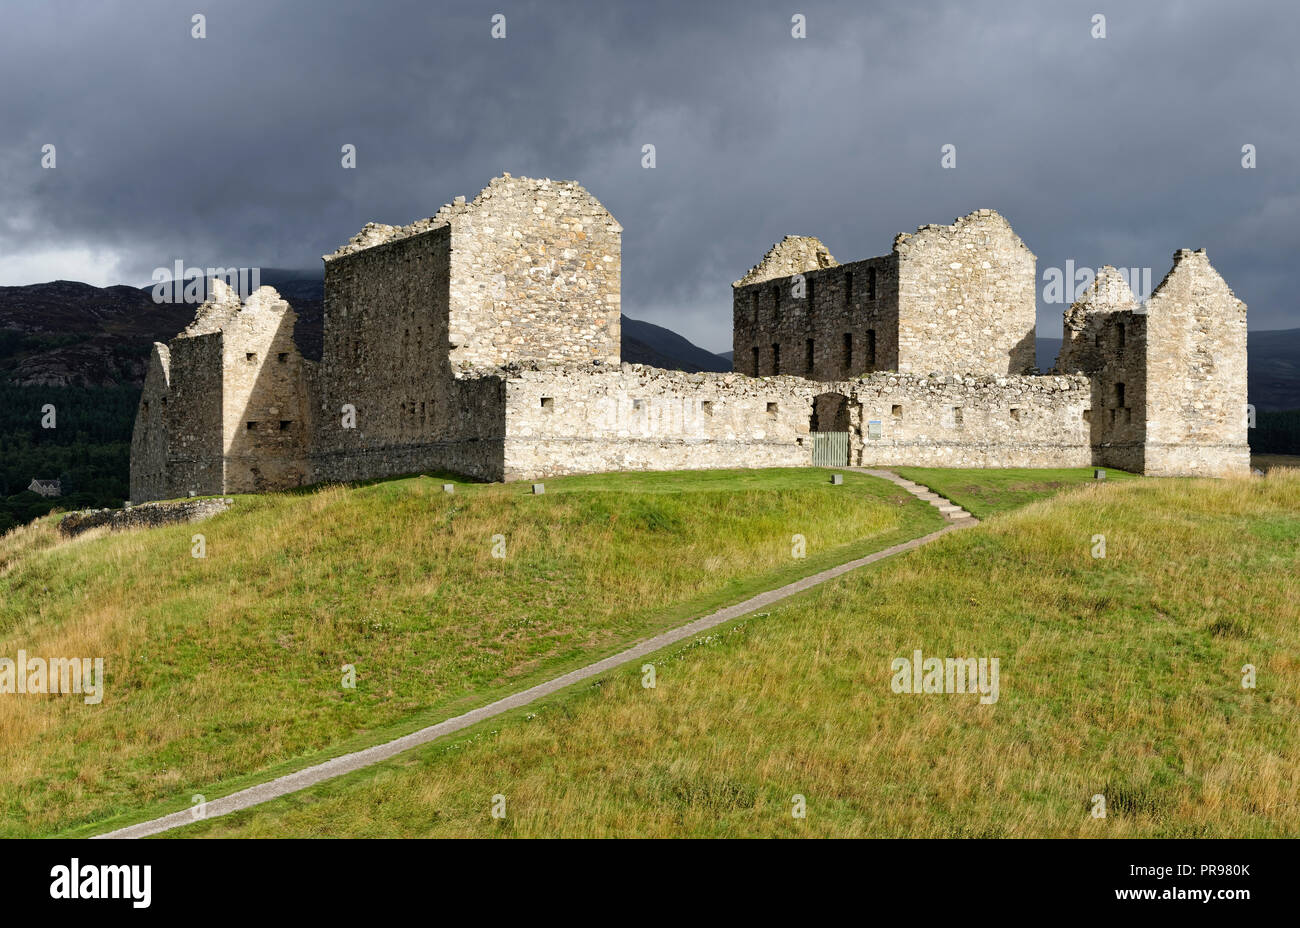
x: 535, y: 275
x: 1196, y: 373
x: 966, y: 298
x: 1168, y: 378
x: 225, y: 406
x: 266, y: 412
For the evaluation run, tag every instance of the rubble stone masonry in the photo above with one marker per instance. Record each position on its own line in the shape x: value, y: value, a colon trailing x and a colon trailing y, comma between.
x: 484, y: 340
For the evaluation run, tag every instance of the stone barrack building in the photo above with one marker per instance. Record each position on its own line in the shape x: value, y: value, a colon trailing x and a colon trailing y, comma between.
x: 485, y: 341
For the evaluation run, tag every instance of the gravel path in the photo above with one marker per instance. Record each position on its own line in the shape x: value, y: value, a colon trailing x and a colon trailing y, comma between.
x: 310, y: 776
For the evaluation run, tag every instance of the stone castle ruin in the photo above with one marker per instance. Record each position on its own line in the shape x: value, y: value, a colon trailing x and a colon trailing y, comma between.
x: 485, y: 341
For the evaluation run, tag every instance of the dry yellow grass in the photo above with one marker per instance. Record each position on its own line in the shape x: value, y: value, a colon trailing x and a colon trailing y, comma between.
x: 1120, y: 676
x: 231, y: 666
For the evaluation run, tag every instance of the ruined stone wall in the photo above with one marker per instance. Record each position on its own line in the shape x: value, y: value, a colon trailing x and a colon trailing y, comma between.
x: 150, y: 440
x: 193, y: 417
x: 1168, y: 378
x: 385, y: 356
x: 843, y: 324
x: 150, y: 515
x: 266, y: 409
x: 582, y: 420
x: 966, y: 298
x: 226, y: 406
x: 571, y: 420
x: 950, y: 420
x: 1105, y: 338
x: 535, y: 274
x: 1196, y: 373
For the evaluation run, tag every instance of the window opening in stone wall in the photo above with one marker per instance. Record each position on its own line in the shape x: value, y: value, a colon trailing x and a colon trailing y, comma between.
x: 250, y: 426
x: 755, y: 350
x: 1015, y: 413
x: 776, y: 359
x: 956, y: 417
x: 284, y: 425
x: 706, y: 407
x: 871, y: 349
x: 1119, y: 334
x: 250, y: 356
x: 638, y: 405
x: 548, y: 402
x: 848, y: 351
x: 771, y: 409
x: 896, y: 411
x: 808, y: 356
x: 282, y: 357
x: 1119, y: 395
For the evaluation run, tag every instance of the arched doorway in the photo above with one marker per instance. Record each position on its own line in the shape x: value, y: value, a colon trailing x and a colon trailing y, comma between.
x: 829, y: 426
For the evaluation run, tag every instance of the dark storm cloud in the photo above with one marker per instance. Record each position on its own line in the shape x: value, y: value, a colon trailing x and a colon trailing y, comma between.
x: 225, y: 150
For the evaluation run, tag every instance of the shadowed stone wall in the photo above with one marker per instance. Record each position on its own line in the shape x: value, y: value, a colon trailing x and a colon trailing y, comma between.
x: 842, y: 322
x: 1105, y: 337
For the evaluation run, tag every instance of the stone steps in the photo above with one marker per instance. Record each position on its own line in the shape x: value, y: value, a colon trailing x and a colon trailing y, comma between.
x: 950, y: 510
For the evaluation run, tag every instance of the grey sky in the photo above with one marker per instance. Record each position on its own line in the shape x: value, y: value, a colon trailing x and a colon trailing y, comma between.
x: 225, y: 150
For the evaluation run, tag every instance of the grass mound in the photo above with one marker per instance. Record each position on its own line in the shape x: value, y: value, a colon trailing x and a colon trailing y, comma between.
x: 1121, y: 676
x: 229, y: 669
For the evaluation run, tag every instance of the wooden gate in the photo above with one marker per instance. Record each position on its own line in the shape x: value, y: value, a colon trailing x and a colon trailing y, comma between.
x: 830, y: 449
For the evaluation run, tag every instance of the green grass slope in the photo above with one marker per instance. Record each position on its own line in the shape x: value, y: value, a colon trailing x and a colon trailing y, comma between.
x: 228, y: 670
x: 1119, y: 676
x: 988, y: 491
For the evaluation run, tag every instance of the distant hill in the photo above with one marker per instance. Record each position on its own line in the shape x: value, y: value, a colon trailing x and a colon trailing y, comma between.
x: 646, y: 343
x: 69, y: 334
x: 65, y: 333
x: 1272, y: 367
